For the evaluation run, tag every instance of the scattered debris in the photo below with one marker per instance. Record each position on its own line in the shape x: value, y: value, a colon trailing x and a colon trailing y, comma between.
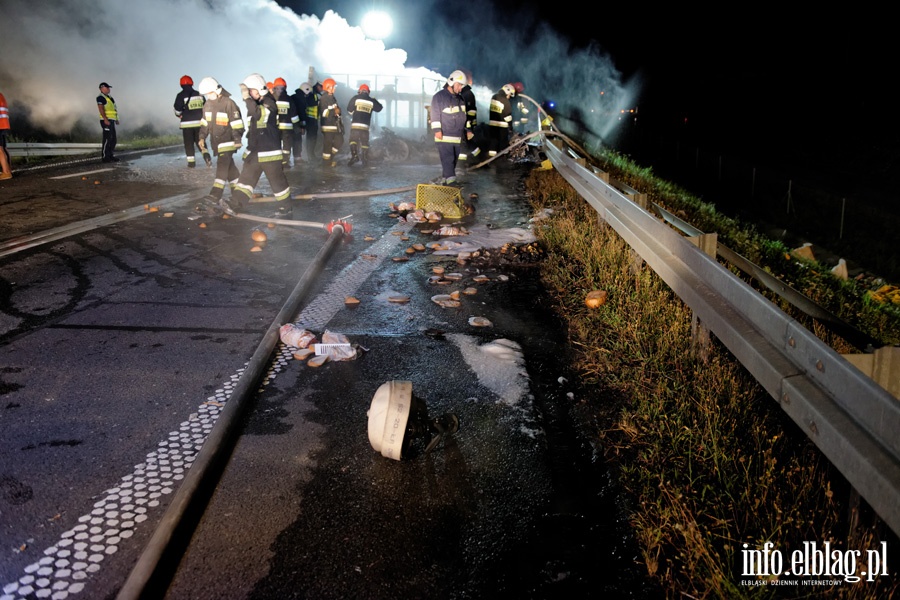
x: 351, y: 301
x: 398, y: 299
x: 257, y: 235
x: 295, y: 336
x: 445, y: 301
x: 595, y: 298
x: 303, y: 354
x: 317, y: 361
x: 479, y: 322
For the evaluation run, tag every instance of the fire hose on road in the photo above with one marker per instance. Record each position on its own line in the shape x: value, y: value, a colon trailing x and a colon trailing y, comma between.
x: 153, y: 572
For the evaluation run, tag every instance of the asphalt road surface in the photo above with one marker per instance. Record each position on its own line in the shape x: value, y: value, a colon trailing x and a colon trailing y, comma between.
x: 122, y: 338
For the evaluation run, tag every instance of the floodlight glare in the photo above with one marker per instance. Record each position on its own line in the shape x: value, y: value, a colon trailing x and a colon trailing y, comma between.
x: 377, y: 24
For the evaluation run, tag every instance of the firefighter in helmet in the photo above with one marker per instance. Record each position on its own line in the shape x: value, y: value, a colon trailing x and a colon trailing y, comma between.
x: 360, y: 109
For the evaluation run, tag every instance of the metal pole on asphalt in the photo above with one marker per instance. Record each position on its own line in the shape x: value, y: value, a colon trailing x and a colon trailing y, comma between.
x: 154, y: 570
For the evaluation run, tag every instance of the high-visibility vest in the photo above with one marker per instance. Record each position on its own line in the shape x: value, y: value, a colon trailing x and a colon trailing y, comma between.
x: 109, y: 109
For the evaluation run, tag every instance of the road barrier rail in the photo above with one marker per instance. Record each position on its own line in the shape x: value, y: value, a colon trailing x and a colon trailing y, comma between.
x: 853, y: 421
x: 31, y: 149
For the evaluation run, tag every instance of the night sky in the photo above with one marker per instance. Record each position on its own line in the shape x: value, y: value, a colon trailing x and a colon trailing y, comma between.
x: 740, y: 77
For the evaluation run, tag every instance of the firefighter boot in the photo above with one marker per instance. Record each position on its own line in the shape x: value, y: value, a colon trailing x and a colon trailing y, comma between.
x: 365, y: 157
x: 354, y: 156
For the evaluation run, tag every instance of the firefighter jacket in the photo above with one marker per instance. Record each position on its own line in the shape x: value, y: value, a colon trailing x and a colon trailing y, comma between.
x: 263, y: 136
x: 221, y: 120
x: 189, y: 107
x: 501, y: 110
x: 468, y: 97
x: 448, y: 116
x: 360, y: 109
x: 4, y: 113
x: 109, y: 107
x: 307, y: 106
x: 287, y: 114
x: 329, y: 113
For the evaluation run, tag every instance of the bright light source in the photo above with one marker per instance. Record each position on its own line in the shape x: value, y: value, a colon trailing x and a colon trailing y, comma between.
x: 377, y: 25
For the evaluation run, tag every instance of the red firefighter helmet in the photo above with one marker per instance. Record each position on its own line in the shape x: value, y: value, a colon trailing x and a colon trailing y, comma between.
x: 364, y: 88
x: 186, y: 80
x: 519, y: 87
x: 328, y: 85
x: 279, y: 82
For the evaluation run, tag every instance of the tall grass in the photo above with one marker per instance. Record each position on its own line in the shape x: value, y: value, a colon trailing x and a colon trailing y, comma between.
x: 709, y: 459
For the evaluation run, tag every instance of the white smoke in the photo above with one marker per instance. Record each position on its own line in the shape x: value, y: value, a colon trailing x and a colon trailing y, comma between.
x: 54, y: 53
x: 57, y: 53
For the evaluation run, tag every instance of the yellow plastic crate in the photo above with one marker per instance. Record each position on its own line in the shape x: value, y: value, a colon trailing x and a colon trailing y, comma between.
x: 444, y: 199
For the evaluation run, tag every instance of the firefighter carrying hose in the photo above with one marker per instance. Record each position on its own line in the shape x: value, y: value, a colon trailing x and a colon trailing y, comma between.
x: 221, y: 120
x: 189, y: 108
x: 360, y: 109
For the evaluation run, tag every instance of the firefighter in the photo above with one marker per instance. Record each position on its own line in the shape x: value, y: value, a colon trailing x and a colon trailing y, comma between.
x: 330, y: 123
x: 109, y: 118
x: 470, y: 147
x: 189, y: 108
x: 287, y: 118
x: 263, y: 154
x: 221, y: 120
x: 501, y: 119
x: 520, y: 110
x: 360, y: 109
x: 449, y: 125
x: 300, y: 100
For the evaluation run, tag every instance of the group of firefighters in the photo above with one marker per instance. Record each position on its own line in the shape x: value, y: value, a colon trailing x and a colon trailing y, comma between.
x: 454, y: 119
x: 277, y: 123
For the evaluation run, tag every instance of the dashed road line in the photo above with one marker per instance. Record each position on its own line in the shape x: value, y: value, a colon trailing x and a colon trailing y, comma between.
x: 66, y: 567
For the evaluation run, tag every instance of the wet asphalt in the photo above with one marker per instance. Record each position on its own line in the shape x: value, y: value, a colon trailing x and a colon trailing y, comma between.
x: 119, y: 346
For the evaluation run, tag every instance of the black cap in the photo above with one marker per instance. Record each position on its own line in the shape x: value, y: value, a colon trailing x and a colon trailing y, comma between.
x: 104, y: 84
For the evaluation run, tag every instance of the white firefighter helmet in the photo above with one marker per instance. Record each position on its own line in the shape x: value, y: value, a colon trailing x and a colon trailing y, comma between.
x: 208, y: 85
x: 457, y: 76
x: 509, y: 90
x: 305, y: 88
x: 255, y: 81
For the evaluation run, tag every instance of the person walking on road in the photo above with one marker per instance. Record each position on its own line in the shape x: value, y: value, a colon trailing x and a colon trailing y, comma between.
x: 5, y: 169
x: 221, y: 120
x: 263, y: 153
x: 450, y: 125
x: 189, y: 108
x: 360, y: 109
x: 109, y: 118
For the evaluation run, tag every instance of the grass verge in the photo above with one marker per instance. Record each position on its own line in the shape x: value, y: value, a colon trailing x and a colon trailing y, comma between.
x: 709, y: 460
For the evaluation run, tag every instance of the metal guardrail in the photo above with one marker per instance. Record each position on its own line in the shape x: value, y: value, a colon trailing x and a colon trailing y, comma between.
x: 29, y: 149
x: 853, y: 420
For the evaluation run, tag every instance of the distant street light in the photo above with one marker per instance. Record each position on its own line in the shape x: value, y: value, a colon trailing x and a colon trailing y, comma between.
x: 377, y: 24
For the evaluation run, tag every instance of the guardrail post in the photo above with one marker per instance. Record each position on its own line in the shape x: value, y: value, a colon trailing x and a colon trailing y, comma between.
x: 640, y: 199
x: 700, y: 337
x: 883, y: 366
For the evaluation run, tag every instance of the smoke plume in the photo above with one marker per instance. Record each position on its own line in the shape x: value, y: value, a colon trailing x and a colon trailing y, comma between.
x: 55, y: 53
